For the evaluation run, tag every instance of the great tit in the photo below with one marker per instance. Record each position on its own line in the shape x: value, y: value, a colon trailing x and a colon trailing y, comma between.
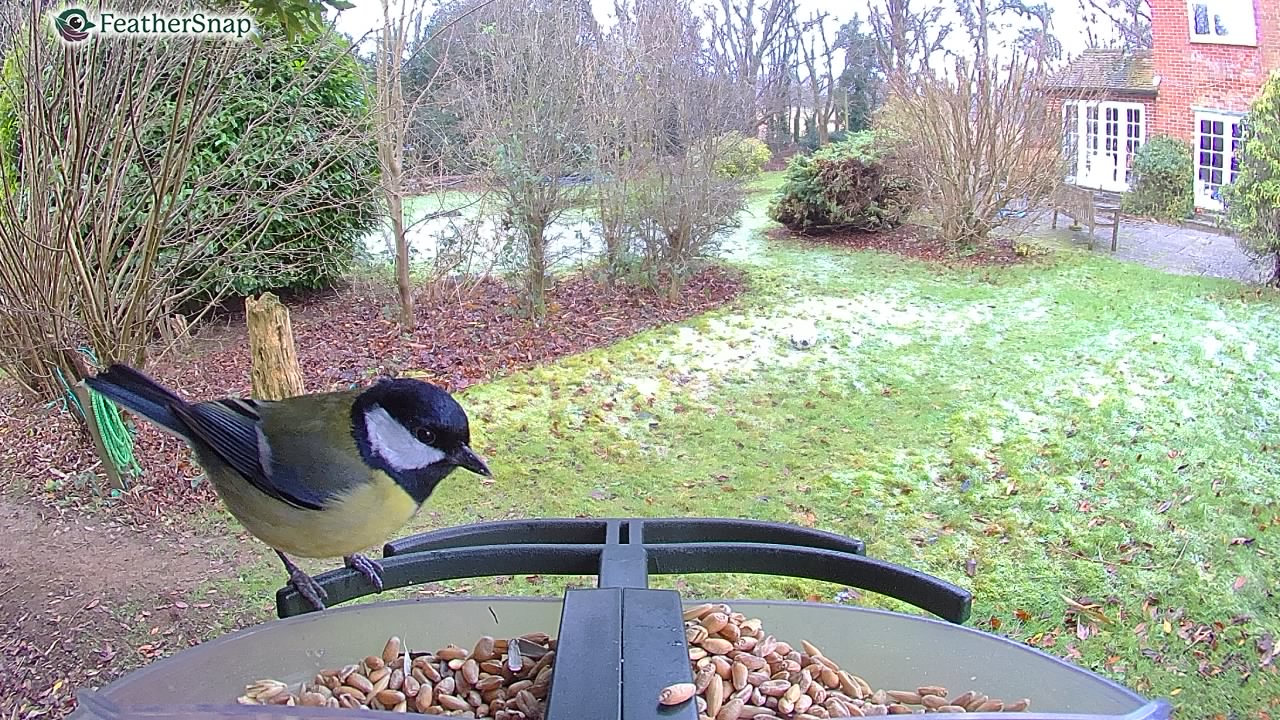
x: 319, y: 475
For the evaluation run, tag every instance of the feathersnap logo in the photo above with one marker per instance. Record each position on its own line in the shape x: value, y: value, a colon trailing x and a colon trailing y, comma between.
x: 73, y: 25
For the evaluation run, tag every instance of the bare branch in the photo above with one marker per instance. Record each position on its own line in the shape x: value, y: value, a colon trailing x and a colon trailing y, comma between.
x: 106, y: 226
x: 1130, y: 20
x: 979, y: 136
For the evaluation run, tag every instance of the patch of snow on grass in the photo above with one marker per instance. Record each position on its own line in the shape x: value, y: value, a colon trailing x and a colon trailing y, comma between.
x: 896, y: 339
x: 1033, y: 310
x: 647, y: 386
x: 1211, y: 346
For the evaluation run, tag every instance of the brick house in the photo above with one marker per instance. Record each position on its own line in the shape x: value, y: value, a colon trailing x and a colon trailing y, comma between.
x: 1209, y: 59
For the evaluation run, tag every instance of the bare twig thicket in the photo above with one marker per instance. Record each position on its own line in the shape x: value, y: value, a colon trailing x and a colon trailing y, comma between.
x: 660, y: 121
x: 756, y: 42
x: 522, y: 100
x: 97, y: 241
x: 979, y: 132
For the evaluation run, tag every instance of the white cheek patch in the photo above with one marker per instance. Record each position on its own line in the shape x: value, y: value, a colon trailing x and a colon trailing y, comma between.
x: 395, y: 444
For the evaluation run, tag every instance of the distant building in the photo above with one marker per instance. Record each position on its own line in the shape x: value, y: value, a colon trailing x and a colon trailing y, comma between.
x: 1208, y: 61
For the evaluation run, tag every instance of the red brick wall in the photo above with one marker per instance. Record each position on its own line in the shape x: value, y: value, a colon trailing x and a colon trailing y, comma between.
x: 1220, y: 77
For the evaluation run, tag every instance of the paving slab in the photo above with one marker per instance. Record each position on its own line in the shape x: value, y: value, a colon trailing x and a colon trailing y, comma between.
x: 1173, y: 248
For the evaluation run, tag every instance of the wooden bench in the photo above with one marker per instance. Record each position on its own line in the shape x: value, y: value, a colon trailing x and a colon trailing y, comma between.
x: 1078, y: 204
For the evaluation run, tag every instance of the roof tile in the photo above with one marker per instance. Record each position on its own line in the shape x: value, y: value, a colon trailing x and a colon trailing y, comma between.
x: 1123, y: 70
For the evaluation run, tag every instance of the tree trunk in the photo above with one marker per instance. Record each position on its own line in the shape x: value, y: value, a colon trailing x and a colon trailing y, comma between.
x: 536, y: 282
x: 674, y: 286
x: 390, y: 137
x: 404, y: 286
x: 276, y: 373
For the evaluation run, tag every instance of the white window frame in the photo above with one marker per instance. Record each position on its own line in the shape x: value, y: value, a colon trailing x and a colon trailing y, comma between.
x: 1071, y: 137
x: 1239, y: 18
x: 1096, y: 153
x: 1203, y: 190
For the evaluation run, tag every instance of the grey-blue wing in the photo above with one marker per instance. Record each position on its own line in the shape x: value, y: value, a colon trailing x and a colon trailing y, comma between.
x: 230, y: 429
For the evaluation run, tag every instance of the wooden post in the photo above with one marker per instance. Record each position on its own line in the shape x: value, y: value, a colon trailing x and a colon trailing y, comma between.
x: 276, y: 373
x: 114, y: 477
x: 78, y: 369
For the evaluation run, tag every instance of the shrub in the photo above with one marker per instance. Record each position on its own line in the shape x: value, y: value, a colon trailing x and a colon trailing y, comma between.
x: 677, y: 215
x: 1253, y: 200
x: 854, y: 184
x: 294, y: 132
x: 741, y: 156
x: 1162, y: 180
x: 311, y: 242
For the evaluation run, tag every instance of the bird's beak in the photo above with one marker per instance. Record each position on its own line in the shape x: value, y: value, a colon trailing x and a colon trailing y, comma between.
x: 465, y: 457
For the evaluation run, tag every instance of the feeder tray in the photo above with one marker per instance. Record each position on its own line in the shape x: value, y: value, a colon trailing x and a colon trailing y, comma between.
x: 622, y: 642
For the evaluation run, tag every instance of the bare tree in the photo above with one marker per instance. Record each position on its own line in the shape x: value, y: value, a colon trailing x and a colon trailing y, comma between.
x: 1130, y: 20
x: 908, y: 36
x: 1036, y: 38
x: 979, y: 136
x: 407, y: 34
x: 818, y: 56
x: 103, y: 230
x: 523, y: 108
x: 756, y: 43
x: 391, y: 128
x: 665, y: 128
x: 611, y: 128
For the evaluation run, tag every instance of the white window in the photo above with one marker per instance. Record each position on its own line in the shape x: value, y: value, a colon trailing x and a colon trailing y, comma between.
x: 1225, y: 22
x: 1135, y: 133
x: 1071, y: 137
x: 1216, y: 155
x: 1099, y: 140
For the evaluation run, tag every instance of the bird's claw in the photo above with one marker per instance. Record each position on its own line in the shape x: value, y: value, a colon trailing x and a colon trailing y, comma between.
x: 371, y: 569
x: 308, y: 588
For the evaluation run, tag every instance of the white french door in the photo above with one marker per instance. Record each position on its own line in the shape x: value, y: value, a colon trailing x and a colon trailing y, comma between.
x: 1102, y: 138
x: 1217, y: 156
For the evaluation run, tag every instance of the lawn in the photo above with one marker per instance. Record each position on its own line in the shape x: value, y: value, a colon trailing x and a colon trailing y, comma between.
x: 1085, y: 445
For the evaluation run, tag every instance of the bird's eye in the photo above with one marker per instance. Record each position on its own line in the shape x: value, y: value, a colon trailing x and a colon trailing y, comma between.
x: 425, y: 436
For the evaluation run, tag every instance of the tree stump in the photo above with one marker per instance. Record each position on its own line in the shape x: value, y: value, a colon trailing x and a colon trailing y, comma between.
x: 276, y: 374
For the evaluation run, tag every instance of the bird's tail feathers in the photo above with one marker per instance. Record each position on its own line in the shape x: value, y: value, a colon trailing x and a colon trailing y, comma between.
x: 131, y: 389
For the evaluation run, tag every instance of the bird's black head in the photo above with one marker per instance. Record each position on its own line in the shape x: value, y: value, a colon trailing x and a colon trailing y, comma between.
x: 415, y: 432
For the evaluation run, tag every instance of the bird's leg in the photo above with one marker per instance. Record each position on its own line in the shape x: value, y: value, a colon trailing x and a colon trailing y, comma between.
x: 371, y: 569
x: 306, y: 586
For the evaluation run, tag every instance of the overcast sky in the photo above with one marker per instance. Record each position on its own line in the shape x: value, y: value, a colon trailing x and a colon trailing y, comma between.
x: 1069, y: 23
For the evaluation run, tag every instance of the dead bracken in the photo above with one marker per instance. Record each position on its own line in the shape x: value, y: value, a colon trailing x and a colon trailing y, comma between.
x: 737, y: 671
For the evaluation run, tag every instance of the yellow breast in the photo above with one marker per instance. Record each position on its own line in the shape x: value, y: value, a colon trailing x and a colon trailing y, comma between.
x: 366, y: 517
